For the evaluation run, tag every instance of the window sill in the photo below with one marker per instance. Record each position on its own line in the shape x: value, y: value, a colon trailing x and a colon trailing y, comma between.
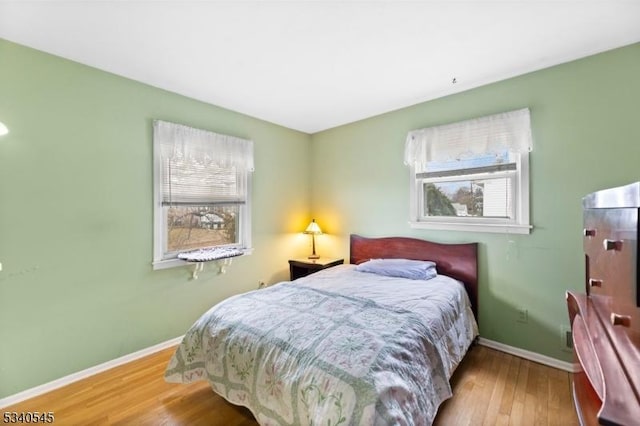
x: 172, y: 263
x: 496, y: 228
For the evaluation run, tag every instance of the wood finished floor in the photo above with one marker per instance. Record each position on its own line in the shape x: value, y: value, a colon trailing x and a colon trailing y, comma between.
x: 490, y: 388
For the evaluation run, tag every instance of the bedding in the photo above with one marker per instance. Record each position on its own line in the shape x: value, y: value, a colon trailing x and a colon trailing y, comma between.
x: 402, y: 268
x: 339, y: 347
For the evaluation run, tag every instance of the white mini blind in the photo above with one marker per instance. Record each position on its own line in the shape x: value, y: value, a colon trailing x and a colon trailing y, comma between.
x: 201, y: 167
x: 491, y: 134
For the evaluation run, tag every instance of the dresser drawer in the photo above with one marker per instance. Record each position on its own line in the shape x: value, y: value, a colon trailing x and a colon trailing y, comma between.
x: 610, y: 245
x: 624, y: 317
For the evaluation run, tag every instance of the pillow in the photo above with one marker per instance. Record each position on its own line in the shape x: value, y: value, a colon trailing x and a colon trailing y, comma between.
x: 402, y: 268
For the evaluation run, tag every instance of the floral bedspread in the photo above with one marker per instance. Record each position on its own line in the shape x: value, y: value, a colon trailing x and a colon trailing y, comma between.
x: 295, y: 354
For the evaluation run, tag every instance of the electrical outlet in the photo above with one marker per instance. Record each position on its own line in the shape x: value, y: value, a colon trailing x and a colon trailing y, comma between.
x: 522, y: 316
x: 566, y: 338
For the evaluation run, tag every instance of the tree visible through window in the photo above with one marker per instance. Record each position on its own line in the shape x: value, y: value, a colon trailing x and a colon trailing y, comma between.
x: 437, y: 203
x: 196, y: 227
x: 463, y: 199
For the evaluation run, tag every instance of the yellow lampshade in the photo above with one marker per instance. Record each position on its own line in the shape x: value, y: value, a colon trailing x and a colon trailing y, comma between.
x: 313, y: 228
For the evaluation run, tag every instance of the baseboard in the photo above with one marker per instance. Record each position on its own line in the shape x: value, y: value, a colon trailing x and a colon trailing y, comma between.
x: 531, y: 356
x: 66, y: 380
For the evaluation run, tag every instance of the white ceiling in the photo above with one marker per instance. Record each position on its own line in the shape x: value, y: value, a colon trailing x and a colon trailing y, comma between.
x: 312, y: 65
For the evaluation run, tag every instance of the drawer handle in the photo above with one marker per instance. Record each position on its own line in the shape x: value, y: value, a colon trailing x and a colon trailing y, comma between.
x: 612, y: 244
x: 589, y: 232
x: 623, y: 320
x: 595, y: 283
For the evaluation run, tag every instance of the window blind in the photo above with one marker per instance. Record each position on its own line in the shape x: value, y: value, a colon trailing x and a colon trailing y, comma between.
x: 468, y: 171
x: 200, y: 167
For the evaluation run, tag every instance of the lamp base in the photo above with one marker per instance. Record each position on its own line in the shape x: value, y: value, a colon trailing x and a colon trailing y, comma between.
x: 314, y: 256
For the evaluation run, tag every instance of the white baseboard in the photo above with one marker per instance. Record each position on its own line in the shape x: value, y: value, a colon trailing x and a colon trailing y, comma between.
x: 531, y: 356
x: 66, y: 380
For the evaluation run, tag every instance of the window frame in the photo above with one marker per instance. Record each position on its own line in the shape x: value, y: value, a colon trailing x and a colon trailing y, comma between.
x: 162, y: 258
x: 518, y: 225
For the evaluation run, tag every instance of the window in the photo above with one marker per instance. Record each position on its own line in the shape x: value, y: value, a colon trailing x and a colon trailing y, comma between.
x: 472, y: 175
x: 202, y: 191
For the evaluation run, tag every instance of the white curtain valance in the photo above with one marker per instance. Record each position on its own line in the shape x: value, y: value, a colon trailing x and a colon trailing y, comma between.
x: 180, y: 142
x: 201, y: 167
x: 466, y: 139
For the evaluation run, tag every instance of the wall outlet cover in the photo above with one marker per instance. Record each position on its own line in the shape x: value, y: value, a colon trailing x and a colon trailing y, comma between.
x: 522, y: 315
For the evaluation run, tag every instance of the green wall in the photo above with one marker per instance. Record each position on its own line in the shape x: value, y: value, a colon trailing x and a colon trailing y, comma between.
x: 77, y: 287
x: 585, y: 128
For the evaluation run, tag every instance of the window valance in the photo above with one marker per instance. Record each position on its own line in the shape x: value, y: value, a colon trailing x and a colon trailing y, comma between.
x: 493, y: 134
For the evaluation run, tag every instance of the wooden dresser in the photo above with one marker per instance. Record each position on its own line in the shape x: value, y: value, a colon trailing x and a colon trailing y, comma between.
x: 605, y: 319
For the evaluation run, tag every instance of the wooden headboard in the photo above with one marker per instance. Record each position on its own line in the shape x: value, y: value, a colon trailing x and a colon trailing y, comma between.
x: 459, y: 261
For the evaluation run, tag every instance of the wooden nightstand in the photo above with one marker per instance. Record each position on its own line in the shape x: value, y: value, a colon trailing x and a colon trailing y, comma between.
x: 299, y: 268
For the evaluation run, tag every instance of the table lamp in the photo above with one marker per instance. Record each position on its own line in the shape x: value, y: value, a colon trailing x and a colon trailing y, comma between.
x: 314, y: 230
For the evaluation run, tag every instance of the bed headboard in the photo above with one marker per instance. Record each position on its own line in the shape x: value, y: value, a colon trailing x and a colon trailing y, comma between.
x: 459, y: 261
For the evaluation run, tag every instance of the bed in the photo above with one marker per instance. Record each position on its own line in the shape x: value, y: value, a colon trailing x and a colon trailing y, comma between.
x: 341, y: 346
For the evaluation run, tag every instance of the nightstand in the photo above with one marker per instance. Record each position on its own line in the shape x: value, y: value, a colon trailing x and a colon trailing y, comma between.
x: 299, y: 268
